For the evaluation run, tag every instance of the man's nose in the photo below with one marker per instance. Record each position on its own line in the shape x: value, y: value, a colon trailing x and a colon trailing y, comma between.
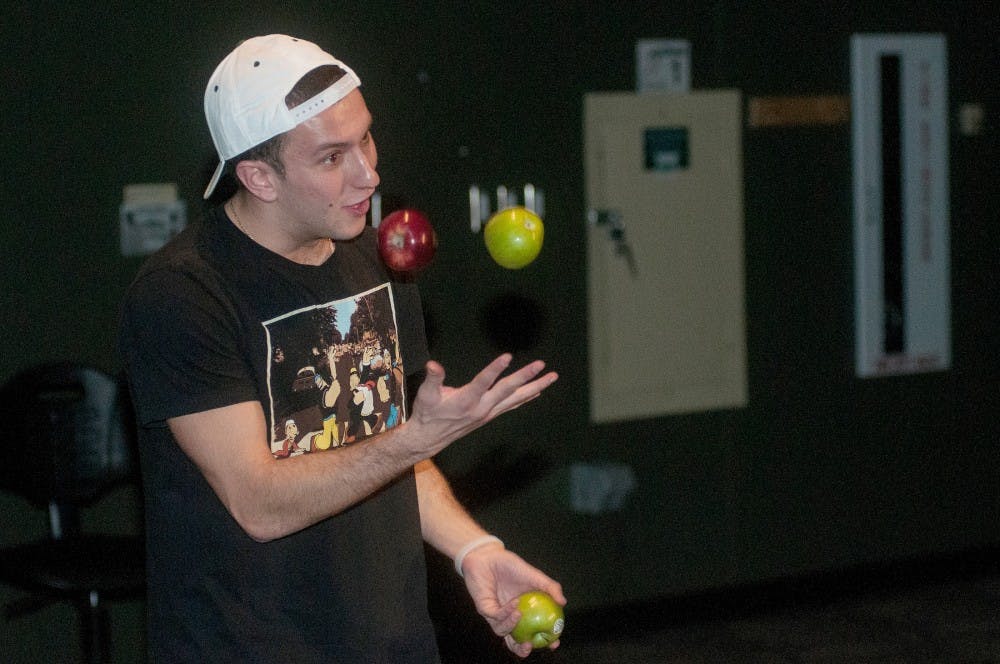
x: 364, y: 174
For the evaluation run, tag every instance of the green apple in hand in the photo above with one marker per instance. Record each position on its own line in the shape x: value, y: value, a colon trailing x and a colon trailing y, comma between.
x: 541, y: 620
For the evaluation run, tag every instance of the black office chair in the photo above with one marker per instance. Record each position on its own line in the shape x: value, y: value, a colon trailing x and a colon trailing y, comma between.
x: 67, y: 440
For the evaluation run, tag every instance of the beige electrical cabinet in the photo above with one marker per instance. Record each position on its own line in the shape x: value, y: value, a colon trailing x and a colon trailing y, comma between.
x: 665, y: 253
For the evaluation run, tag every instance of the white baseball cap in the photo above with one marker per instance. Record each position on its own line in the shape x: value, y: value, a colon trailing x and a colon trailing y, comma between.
x: 245, y: 97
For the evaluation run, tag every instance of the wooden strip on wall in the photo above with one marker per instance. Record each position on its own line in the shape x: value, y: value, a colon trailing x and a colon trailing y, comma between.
x: 798, y: 111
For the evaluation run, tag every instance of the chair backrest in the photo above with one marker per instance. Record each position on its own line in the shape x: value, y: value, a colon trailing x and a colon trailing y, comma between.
x: 67, y: 437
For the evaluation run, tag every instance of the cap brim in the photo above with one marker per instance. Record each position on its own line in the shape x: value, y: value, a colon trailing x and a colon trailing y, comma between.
x: 215, y: 179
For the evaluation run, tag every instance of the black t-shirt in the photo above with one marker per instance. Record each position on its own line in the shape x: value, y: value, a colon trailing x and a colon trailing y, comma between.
x: 215, y: 319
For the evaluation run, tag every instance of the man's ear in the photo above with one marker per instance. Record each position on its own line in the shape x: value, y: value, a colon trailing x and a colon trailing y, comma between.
x: 258, y: 178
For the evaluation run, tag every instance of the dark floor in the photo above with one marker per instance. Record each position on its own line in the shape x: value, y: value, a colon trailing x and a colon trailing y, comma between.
x: 942, y: 610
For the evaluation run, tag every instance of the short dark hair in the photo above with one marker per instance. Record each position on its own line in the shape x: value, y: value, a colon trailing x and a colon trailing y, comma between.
x: 310, y: 85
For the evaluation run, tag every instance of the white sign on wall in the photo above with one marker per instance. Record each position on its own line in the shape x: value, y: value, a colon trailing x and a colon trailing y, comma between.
x: 899, y: 90
x: 663, y: 65
x: 149, y: 216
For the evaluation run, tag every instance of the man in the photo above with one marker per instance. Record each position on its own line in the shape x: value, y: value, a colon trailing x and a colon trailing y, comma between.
x: 316, y: 557
x: 288, y: 446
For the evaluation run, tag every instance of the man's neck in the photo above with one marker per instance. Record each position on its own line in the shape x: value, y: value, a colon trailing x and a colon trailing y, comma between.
x: 252, y: 218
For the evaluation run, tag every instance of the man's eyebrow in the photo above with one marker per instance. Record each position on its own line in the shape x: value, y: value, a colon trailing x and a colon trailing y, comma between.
x: 337, y: 145
x: 326, y: 147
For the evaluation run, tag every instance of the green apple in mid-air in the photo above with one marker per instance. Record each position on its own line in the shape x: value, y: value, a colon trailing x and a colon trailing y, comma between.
x: 514, y: 237
x: 541, y: 620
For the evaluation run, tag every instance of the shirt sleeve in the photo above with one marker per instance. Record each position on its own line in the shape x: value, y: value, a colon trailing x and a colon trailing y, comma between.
x: 179, y: 342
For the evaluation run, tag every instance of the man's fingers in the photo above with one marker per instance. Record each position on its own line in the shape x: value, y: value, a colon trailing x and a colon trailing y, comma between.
x: 516, y: 389
x: 522, y: 650
x: 435, y: 373
x: 516, y: 380
x: 483, y: 398
x: 433, y: 382
x: 524, y: 393
x: 485, y: 379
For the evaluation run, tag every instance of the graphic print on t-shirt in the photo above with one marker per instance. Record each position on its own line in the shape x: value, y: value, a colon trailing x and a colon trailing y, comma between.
x: 335, y: 373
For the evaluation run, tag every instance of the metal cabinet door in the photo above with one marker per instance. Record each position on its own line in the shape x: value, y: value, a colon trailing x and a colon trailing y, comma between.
x: 665, y: 253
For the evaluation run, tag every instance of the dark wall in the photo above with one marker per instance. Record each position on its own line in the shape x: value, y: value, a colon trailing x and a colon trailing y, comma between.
x: 820, y: 470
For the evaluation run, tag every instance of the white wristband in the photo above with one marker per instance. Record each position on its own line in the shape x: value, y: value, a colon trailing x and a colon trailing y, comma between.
x: 476, y: 543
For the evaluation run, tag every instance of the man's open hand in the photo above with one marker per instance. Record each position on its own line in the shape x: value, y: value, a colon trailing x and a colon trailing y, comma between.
x: 442, y: 414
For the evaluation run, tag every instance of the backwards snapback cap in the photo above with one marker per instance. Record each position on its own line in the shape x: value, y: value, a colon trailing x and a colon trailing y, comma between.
x: 245, y: 97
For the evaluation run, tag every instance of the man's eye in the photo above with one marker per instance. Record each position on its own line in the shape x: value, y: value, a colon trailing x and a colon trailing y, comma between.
x: 332, y: 158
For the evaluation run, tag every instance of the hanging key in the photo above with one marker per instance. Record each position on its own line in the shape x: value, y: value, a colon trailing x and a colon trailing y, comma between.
x: 613, y: 220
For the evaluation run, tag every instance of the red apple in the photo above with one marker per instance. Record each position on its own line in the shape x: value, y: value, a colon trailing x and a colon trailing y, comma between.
x: 406, y: 240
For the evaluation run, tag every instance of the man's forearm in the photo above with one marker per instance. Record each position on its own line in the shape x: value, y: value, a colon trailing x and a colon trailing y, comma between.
x: 445, y: 524
x: 271, y: 498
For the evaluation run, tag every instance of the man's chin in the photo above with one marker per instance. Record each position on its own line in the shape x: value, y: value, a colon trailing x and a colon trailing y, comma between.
x: 349, y: 231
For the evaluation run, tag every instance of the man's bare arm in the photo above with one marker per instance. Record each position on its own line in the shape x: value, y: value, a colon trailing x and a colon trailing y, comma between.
x: 272, y: 498
x: 445, y: 524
